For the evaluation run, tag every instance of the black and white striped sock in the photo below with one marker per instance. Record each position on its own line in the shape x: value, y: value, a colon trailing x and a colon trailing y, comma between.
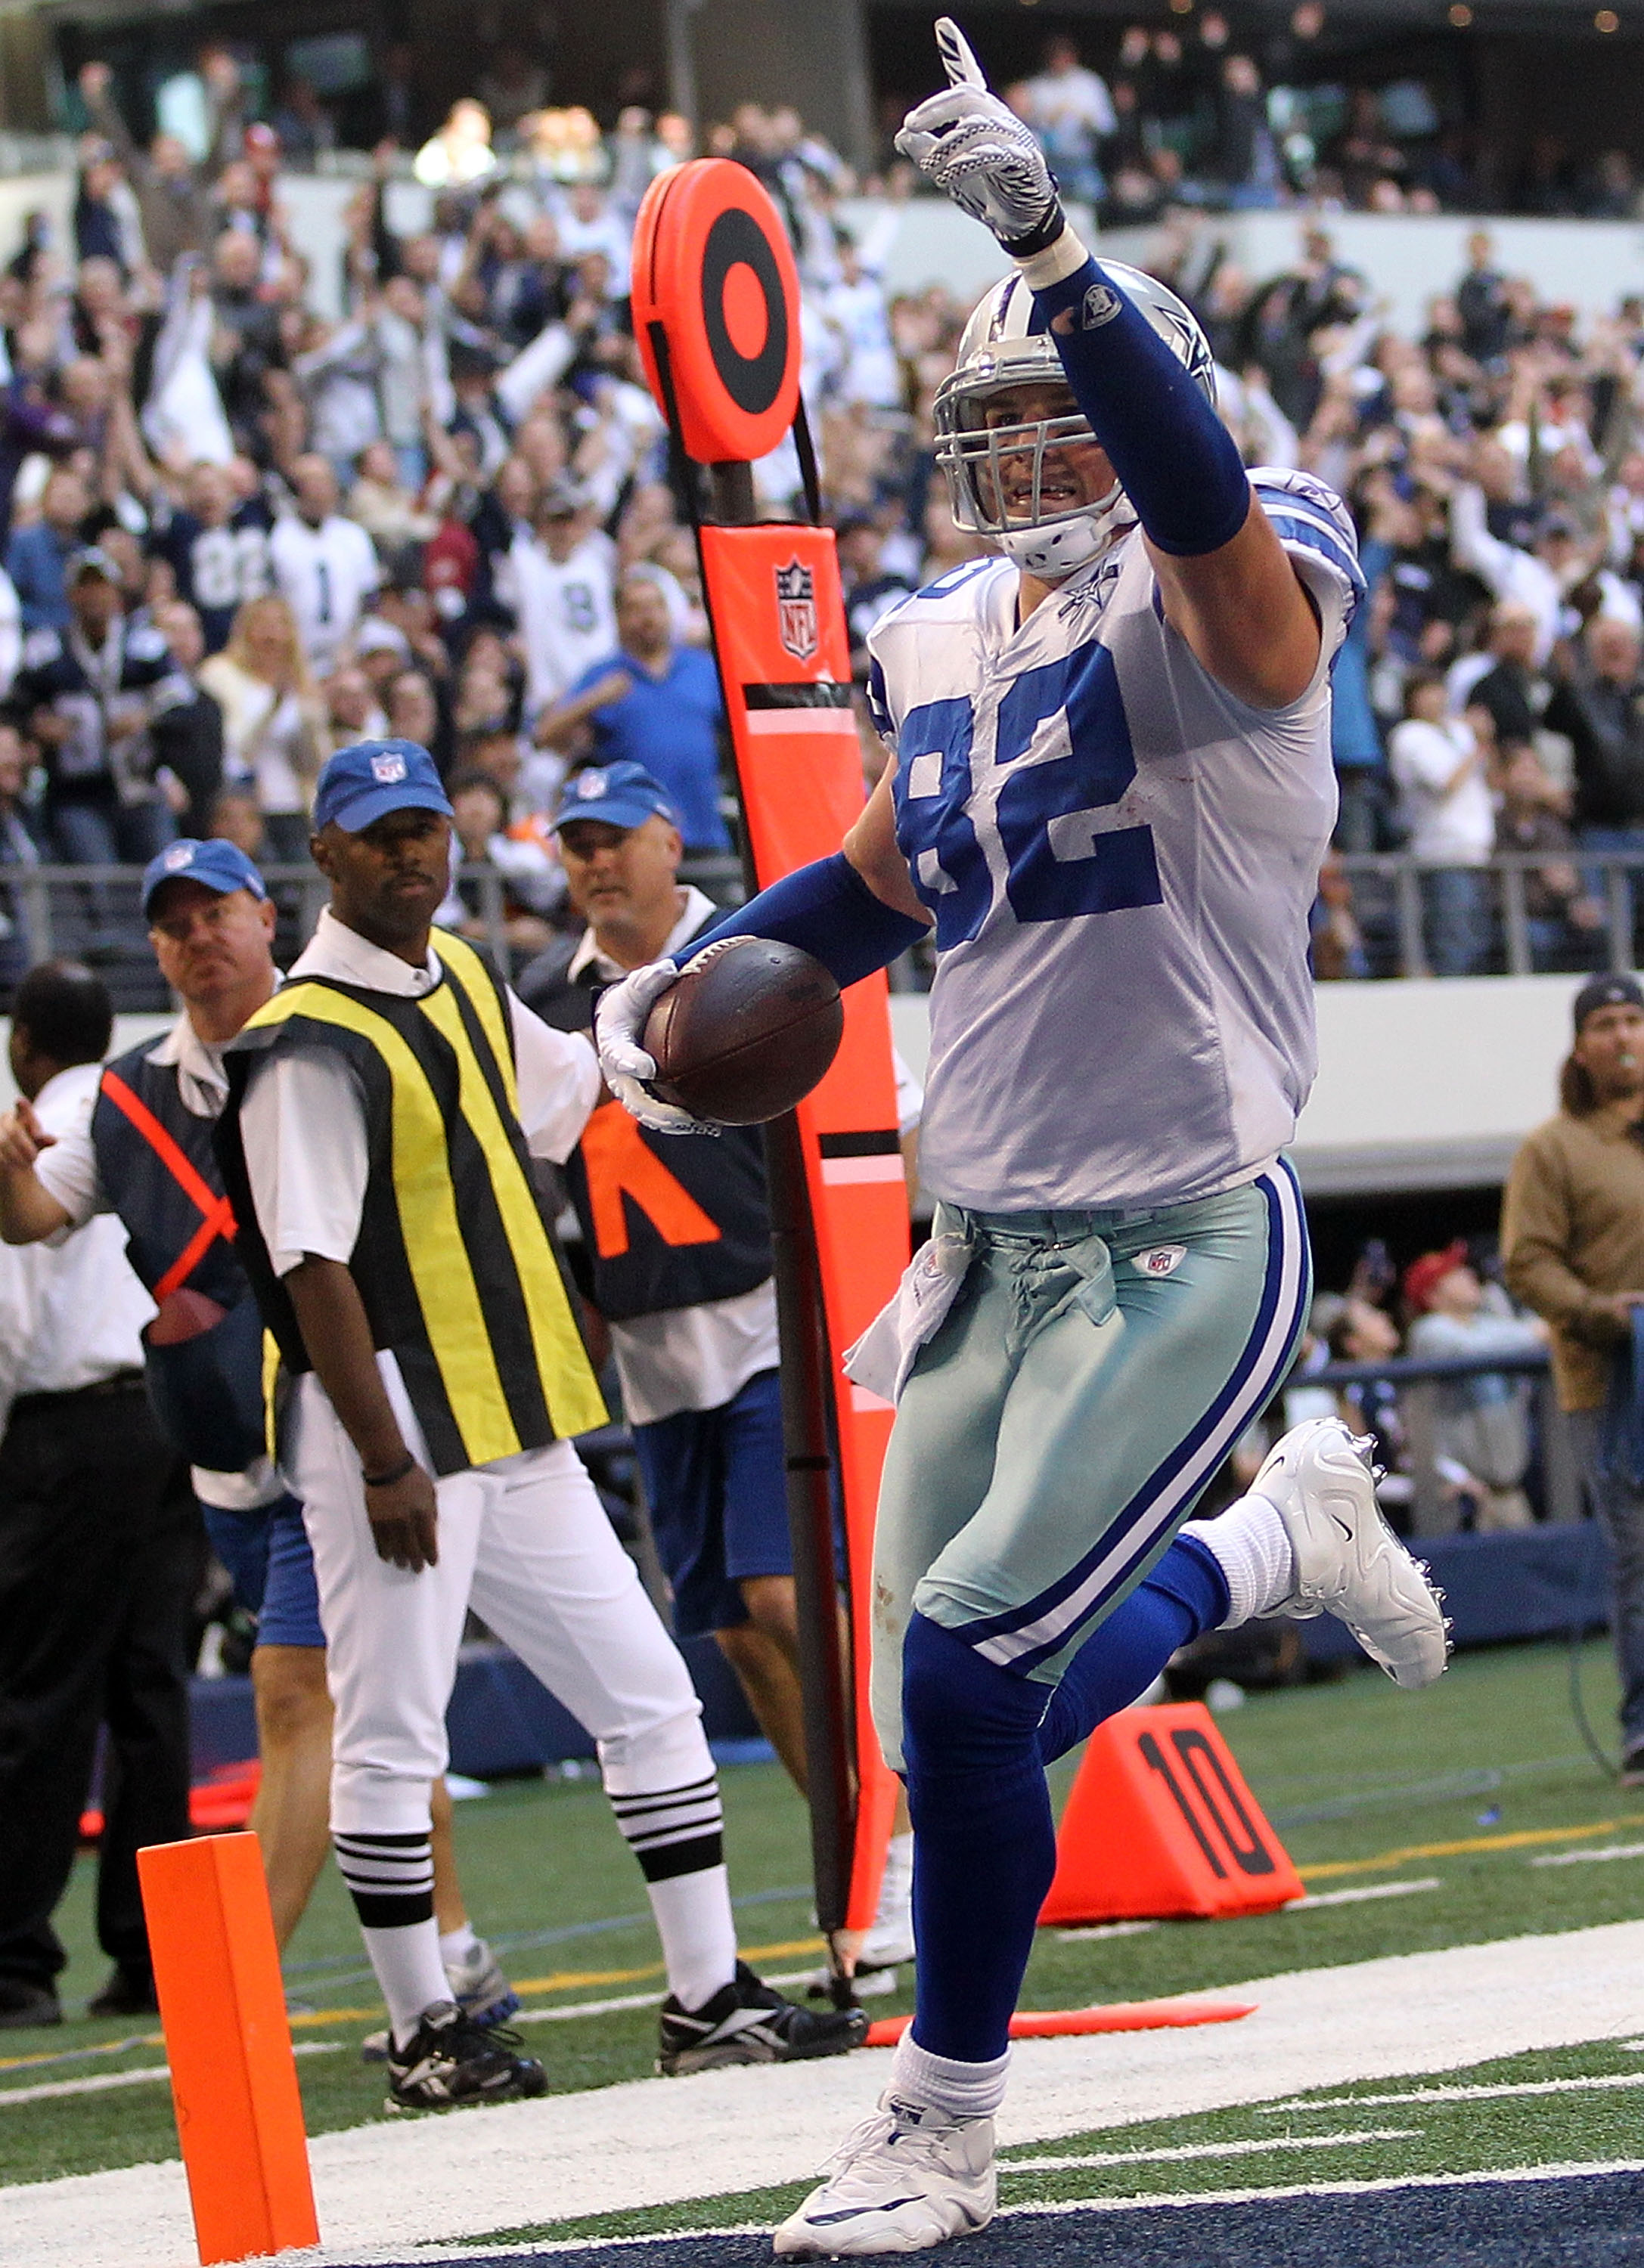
x: 677, y: 1835
x: 674, y: 1830
x: 391, y: 1880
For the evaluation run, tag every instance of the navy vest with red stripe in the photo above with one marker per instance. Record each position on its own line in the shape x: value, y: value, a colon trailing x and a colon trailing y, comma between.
x: 160, y: 1217
x: 668, y: 1220
x: 156, y: 1161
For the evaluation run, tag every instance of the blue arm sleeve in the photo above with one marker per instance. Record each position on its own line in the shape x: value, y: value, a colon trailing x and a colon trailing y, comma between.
x: 827, y: 911
x: 1175, y: 459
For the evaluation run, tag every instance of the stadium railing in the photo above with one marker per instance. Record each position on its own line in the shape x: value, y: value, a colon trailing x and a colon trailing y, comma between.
x: 1389, y: 905
x: 92, y: 913
x: 1553, y: 1479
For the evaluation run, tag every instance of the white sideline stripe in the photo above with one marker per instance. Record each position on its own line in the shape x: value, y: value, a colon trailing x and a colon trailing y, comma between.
x: 1362, y: 1894
x: 1183, y: 2150
x: 1177, y: 2201
x: 842, y: 721
x: 1599, y: 2084
x: 387, y: 2188
x: 1589, y: 1857
x: 838, y: 1171
x: 1104, y: 1929
x: 9, y: 2096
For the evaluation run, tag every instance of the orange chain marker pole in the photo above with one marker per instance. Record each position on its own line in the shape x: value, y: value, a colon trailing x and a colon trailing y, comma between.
x: 717, y: 316
x: 233, y: 2078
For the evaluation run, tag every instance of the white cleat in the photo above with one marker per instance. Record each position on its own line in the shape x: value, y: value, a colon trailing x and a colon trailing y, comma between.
x: 1348, y: 1561
x: 905, y: 2180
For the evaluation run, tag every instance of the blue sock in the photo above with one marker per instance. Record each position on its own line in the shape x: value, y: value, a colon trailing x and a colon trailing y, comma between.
x: 984, y: 1842
x: 1186, y: 1596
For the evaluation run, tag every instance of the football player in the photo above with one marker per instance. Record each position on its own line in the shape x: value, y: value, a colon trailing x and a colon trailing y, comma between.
x: 1111, y: 792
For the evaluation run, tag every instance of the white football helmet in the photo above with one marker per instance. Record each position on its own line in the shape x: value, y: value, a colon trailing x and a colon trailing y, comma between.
x: 1005, y: 344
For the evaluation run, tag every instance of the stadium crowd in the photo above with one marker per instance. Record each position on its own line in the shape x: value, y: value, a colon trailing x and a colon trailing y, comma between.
x: 238, y: 534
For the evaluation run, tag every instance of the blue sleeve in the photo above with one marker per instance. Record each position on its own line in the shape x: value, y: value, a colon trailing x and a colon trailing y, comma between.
x: 827, y: 911
x: 1175, y: 458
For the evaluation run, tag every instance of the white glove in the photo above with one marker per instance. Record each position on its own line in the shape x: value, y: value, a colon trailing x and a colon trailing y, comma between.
x: 976, y: 150
x: 619, y: 1023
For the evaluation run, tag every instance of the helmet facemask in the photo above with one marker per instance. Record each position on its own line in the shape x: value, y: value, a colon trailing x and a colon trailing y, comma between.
x: 1013, y: 481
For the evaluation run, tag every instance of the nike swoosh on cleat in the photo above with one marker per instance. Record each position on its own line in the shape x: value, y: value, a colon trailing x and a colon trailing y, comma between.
x: 858, y: 2212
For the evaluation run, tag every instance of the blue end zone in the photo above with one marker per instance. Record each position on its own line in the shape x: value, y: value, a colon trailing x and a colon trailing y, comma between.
x: 1581, y: 2221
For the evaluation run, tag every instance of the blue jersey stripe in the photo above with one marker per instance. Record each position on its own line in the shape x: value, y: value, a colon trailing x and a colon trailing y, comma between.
x: 1313, y: 538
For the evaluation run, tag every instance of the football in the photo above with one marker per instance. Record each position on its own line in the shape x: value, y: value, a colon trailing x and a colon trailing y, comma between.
x: 746, y: 1033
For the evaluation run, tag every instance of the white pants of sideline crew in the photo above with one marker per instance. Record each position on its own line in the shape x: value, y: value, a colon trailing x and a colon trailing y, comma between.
x: 526, y: 1542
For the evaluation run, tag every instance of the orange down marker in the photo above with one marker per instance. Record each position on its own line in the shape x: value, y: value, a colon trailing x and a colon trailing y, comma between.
x: 1160, y: 1823
x: 233, y: 2079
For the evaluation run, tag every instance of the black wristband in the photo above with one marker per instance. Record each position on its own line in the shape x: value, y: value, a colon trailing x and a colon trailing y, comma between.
x: 1041, y: 236
x: 394, y: 1473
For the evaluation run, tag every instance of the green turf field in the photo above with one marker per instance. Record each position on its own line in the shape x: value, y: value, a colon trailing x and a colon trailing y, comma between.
x: 1459, y: 1790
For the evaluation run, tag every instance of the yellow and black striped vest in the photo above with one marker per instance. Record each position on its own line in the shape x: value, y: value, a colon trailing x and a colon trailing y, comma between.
x: 454, y: 1266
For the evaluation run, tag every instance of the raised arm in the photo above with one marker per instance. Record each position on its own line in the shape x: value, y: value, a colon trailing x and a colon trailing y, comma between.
x: 1227, y: 582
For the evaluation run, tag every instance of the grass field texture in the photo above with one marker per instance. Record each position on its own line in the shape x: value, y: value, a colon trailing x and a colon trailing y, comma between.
x: 1452, y: 1803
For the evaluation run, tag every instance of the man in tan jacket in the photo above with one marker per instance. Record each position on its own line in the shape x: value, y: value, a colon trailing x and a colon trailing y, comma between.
x: 1573, y: 1246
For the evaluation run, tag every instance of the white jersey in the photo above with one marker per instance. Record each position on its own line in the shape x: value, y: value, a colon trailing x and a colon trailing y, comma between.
x: 326, y: 574
x: 1122, y: 861
x: 566, y: 611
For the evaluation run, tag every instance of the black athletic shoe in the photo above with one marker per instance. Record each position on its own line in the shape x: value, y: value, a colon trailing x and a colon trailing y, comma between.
x: 127, y: 1993
x: 746, y: 2022
x: 450, y: 2061
x: 22, y: 2005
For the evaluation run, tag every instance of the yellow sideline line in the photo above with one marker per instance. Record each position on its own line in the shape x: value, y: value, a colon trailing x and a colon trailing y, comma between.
x: 567, y: 1979
x: 1514, y: 1842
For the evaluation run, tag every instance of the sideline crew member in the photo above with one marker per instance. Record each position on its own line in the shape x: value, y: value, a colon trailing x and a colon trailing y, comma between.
x: 375, y: 1146
x: 676, y: 1237
x: 99, y: 1554
x: 145, y: 1152
x: 1572, y: 1249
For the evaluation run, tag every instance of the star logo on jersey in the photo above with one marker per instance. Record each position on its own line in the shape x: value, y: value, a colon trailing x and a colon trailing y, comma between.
x: 387, y: 770
x: 796, y: 610
x: 1095, y: 590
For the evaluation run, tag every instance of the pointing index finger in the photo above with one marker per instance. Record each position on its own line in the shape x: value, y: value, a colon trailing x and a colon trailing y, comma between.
x: 958, y: 61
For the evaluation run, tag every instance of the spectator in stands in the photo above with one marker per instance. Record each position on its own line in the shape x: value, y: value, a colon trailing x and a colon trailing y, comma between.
x: 97, y: 1552
x: 655, y: 703
x: 1438, y: 766
x: 1483, y: 302
x: 325, y: 565
x: 217, y: 549
x: 1069, y: 108
x: 1573, y: 1251
x: 274, y: 723
x: 188, y: 734
x: 560, y: 579
x: 21, y: 848
x: 1564, y: 921
x: 38, y: 556
x: 173, y: 196
x: 1600, y: 706
x: 871, y: 589
x: 1482, y: 1434
x: 92, y: 695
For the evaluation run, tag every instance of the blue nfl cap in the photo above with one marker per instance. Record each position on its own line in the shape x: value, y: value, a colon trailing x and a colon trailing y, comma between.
x: 362, y: 785
x: 618, y: 795
x: 219, y: 866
